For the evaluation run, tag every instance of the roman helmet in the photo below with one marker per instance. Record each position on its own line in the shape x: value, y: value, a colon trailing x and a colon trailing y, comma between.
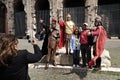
x: 68, y: 15
x: 98, y: 21
x: 54, y: 20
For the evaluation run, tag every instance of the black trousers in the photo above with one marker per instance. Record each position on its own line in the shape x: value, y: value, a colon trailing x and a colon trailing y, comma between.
x: 86, y: 53
x: 98, y: 61
x: 76, y: 57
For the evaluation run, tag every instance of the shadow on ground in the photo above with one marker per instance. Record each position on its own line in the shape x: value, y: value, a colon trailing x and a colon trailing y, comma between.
x: 81, y: 72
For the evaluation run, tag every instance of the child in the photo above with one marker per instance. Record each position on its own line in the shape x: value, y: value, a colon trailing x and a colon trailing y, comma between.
x: 75, y: 47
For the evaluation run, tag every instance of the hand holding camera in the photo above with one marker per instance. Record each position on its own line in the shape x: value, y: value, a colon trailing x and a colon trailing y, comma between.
x: 34, y: 41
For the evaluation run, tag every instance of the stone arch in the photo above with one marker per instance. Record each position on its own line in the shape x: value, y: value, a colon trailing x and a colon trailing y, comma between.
x: 73, y: 3
x: 42, y: 10
x: 20, y: 23
x: 3, y: 18
x: 18, y: 6
x: 109, y: 12
x: 106, y: 2
x: 42, y: 5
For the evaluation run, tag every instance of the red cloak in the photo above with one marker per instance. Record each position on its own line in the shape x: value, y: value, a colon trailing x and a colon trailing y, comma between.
x: 100, y: 43
x: 62, y: 33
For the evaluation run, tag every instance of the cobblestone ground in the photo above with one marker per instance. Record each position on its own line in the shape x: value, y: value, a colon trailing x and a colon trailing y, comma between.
x: 76, y: 74
x: 68, y: 74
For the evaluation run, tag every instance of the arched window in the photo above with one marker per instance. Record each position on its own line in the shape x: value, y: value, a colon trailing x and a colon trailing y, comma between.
x: 3, y: 23
x: 76, y: 9
x: 42, y: 12
x: 20, y: 20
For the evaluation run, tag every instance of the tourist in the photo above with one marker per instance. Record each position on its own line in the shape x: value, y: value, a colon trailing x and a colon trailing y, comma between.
x: 85, y: 50
x: 75, y: 47
x: 13, y: 62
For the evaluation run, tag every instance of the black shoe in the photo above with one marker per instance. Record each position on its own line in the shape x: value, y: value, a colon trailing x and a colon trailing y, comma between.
x: 95, y: 66
x: 66, y: 53
x: 83, y: 66
x: 46, y: 66
x: 89, y: 67
x: 54, y: 64
x: 97, y: 69
x: 70, y: 53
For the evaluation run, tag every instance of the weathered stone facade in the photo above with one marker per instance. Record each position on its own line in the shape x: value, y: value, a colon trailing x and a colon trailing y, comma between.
x: 91, y: 7
x: 56, y: 8
x: 10, y: 15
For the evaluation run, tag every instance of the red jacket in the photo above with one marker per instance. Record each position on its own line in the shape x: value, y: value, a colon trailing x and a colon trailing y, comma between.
x: 84, y: 37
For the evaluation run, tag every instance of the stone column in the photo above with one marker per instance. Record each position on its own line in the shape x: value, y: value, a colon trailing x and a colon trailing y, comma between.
x: 60, y: 9
x: 10, y: 16
x: 27, y: 8
x: 53, y: 9
x: 33, y: 12
x: 30, y: 14
x: 91, y: 7
x: 56, y: 9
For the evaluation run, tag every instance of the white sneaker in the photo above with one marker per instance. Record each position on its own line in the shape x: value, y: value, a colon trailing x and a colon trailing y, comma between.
x: 78, y: 66
x: 73, y: 65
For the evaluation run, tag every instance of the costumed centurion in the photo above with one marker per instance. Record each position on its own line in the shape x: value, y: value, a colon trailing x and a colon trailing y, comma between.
x: 66, y: 30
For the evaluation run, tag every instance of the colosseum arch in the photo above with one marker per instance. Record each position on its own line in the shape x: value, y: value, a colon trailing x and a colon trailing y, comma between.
x: 19, y: 13
x: 42, y: 11
x: 110, y: 13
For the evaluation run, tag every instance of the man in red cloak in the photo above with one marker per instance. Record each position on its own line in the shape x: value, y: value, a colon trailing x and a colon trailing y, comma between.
x: 66, y: 30
x: 100, y: 43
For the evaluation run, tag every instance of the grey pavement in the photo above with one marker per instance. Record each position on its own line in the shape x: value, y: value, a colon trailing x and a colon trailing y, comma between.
x: 64, y: 73
x: 71, y: 74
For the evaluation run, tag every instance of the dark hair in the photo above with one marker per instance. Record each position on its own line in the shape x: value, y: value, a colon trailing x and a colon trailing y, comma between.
x: 7, y: 49
x: 78, y: 32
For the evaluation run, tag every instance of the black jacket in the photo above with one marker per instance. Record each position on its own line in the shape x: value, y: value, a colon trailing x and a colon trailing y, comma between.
x: 18, y: 68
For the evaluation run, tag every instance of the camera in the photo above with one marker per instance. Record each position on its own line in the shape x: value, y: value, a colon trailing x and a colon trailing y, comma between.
x: 31, y: 35
x: 30, y: 39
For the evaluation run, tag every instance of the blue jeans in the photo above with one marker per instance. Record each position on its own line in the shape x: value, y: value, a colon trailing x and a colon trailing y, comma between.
x: 76, y: 57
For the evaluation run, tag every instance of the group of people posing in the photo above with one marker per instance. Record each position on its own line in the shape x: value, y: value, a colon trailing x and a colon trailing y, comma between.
x: 14, y: 62
x: 75, y: 40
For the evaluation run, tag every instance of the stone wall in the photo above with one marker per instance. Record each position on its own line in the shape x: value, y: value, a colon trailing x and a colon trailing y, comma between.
x: 10, y: 15
x: 91, y: 7
x: 56, y: 11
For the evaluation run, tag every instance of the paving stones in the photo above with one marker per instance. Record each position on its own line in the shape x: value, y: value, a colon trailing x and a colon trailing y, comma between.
x: 71, y: 74
x: 38, y: 73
